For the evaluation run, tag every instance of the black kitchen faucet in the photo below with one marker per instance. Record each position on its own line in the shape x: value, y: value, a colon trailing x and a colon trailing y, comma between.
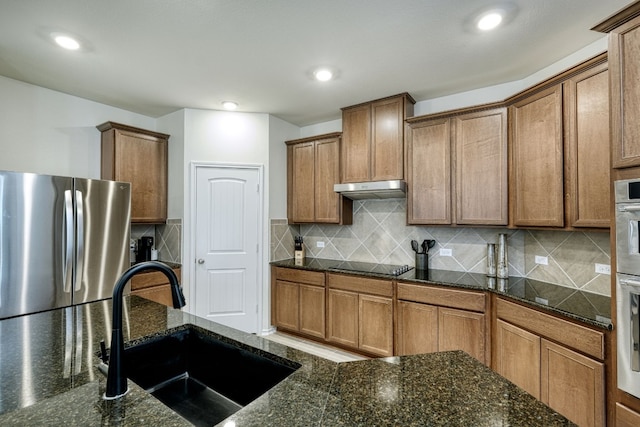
x: 116, y: 379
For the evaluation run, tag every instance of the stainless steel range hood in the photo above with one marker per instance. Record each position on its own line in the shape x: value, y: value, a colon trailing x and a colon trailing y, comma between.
x: 372, y: 190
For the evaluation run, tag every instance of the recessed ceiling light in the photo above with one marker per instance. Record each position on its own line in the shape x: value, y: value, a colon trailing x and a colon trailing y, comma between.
x: 323, y: 75
x: 66, y: 42
x: 489, y: 21
x: 229, y: 105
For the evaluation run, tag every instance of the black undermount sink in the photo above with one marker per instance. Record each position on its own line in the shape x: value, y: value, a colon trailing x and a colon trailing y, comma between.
x: 202, y: 378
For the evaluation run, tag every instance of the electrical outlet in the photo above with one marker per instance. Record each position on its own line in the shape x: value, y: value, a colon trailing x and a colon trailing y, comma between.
x: 603, y: 268
x: 542, y: 260
x: 446, y: 252
x: 320, y: 244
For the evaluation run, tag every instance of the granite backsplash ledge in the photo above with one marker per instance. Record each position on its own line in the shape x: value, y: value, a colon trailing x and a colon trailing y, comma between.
x: 379, y: 234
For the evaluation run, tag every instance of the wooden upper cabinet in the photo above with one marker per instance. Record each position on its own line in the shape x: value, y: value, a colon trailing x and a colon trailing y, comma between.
x: 429, y: 172
x: 587, y: 148
x: 356, y: 147
x: 302, y: 182
x: 480, y: 141
x: 140, y: 157
x: 313, y: 167
x: 373, y: 139
x: 624, y: 69
x: 537, y: 182
x: 457, y: 169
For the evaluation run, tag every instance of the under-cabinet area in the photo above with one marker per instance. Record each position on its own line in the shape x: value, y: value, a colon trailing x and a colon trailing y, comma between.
x: 557, y: 356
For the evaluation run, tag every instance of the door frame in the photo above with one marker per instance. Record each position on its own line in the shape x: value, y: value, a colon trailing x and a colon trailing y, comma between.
x: 190, y: 231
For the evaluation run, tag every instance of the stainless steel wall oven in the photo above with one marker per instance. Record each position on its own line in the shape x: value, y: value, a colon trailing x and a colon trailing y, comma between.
x: 627, y: 198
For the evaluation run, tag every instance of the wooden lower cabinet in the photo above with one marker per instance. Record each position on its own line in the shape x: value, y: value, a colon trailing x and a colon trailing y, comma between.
x: 435, y: 318
x: 287, y: 305
x: 360, y: 313
x: 462, y: 330
x: 375, y: 332
x: 572, y: 384
x: 154, y: 286
x: 517, y: 357
x: 299, y: 302
x: 568, y: 381
x: 417, y: 328
x: 424, y: 328
x: 363, y: 322
x: 343, y: 318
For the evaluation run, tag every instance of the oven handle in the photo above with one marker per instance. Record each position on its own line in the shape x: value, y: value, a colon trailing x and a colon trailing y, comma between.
x: 634, y: 321
x: 630, y: 283
x: 629, y: 208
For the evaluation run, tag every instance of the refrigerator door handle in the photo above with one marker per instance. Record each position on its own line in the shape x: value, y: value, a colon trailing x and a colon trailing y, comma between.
x: 79, y: 241
x: 68, y: 244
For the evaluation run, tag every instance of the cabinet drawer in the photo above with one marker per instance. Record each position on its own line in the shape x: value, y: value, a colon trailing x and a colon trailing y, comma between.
x: 300, y: 276
x: 454, y: 298
x: 361, y: 284
x: 151, y: 278
x: 160, y: 294
x: 579, y: 337
x: 626, y: 417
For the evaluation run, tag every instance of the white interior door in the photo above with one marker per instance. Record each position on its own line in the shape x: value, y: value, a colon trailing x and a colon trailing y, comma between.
x: 227, y: 238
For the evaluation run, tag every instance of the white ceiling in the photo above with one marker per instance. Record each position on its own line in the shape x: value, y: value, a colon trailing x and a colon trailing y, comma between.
x: 157, y: 56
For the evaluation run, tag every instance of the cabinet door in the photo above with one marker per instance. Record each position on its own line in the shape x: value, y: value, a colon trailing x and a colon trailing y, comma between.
x: 142, y: 161
x: 160, y: 294
x: 376, y: 325
x: 537, y: 187
x: 517, y: 357
x: 387, y: 139
x: 626, y: 417
x: 462, y: 330
x: 343, y: 317
x: 624, y: 66
x: 417, y: 328
x: 327, y: 173
x: 302, y: 182
x: 587, y: 145
x: 312, y: 310
x: 481, y: 167
x: 429, y: 173
x: 356, y: 143
x: 573, y: 385
x: 287, y: 305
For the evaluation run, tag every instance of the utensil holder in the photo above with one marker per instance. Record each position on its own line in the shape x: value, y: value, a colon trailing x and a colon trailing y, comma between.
x: 503, y: 262
x: 491, y: 259
x: 422, y: 262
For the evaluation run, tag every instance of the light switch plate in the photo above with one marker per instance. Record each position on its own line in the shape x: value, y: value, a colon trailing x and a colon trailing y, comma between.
x: 446, y: 252
x: 320, y: 244
x: 603, y: 268
x: 542, y: 260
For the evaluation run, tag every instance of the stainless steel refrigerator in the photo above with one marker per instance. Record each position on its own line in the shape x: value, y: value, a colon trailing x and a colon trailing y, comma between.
x: 63, y: 241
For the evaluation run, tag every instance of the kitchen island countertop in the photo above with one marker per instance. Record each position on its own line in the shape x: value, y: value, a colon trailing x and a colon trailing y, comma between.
x: 439, y: 389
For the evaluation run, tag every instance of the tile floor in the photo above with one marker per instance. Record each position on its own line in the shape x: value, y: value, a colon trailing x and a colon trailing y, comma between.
x: 314, y: 348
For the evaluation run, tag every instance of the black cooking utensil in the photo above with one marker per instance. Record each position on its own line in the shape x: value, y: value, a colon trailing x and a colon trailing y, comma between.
x: 414, y: 246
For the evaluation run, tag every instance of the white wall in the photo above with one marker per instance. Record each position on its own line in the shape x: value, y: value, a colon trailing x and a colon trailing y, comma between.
x: 501, y: 92
x: 225, y: 137
x: 279, y: 131
x: 173, y: 124
x: 49, y: 132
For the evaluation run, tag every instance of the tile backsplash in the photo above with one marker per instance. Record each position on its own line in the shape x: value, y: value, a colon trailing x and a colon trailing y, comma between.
x: 379, y: 234
x: 167, y: 238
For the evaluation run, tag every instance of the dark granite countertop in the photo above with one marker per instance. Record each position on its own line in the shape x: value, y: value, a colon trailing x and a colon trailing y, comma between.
x: 587, y: 307
x: 40, y: 386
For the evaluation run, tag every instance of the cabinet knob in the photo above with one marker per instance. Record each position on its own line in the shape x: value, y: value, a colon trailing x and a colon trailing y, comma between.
x: 200, y: 261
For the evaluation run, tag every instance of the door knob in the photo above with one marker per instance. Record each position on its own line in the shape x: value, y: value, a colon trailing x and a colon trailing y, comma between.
x: 200, y: 261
